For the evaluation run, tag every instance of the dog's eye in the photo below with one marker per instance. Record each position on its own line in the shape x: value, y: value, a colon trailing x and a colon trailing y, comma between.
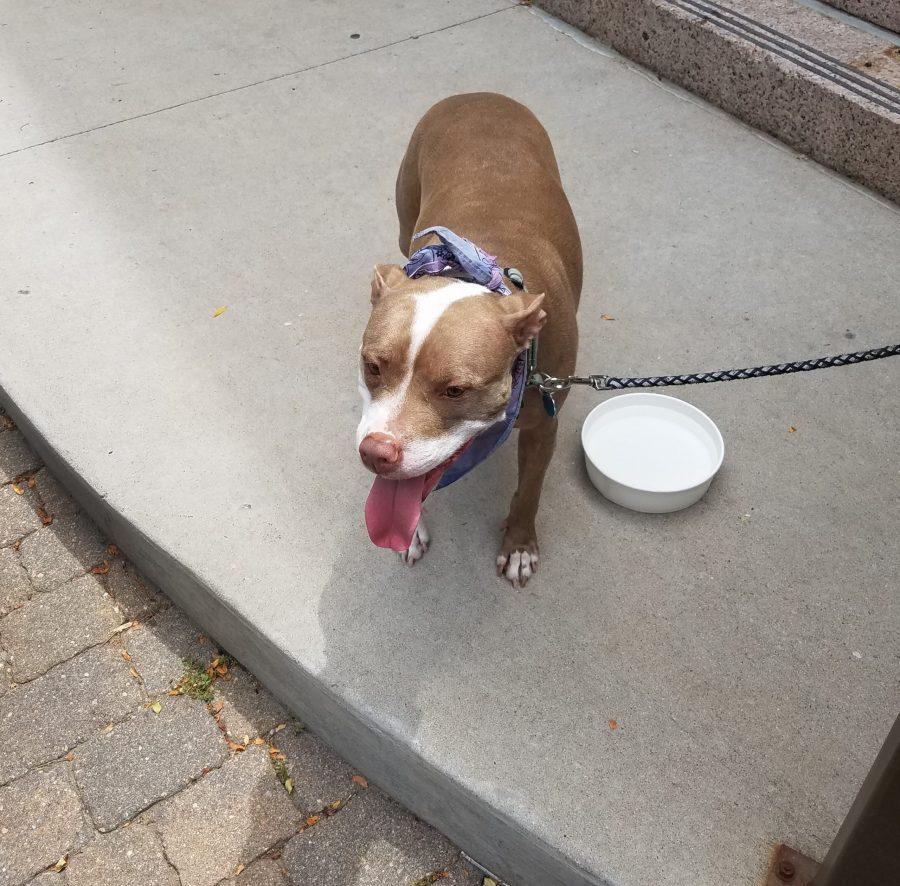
x: 454, y: 392
x: 372, y: 367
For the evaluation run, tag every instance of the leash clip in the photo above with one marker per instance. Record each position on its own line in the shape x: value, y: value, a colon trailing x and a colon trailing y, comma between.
x: 549, y: 384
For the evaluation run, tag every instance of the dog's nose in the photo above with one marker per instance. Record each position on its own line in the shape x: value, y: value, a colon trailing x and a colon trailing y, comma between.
x: 379, y: 452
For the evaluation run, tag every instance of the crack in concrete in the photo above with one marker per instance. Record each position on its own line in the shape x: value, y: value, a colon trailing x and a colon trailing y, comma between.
x: 272, y: 79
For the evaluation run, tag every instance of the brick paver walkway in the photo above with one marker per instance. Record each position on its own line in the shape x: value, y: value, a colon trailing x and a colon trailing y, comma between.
x: 133, y: 752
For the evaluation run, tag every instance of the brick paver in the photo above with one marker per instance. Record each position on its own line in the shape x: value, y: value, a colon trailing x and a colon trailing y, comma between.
x: 247, y: 709
x: 52, y: 627
x: 131, y: 856
x: 221, y: 789
x: 148, y: 757
x: 66, y: 549
x: 17, y: 457
x: 252, y: 811
x: 372, y: 840
x: 135, y: 598
x: 40, y: 819
x: 160, y: 647
x: 319, y: 776
x: 58, y: 504
x: 44, y: 719
x: 17, y: 518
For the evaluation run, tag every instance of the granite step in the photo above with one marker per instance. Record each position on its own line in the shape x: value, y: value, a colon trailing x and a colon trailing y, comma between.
x: 823, y: 86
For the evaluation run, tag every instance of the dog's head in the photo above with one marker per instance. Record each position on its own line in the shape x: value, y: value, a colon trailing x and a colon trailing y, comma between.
x: 435, y: 367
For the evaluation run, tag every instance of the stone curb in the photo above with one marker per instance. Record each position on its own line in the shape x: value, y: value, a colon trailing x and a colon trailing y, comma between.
x: 832, y: 111
x: 885, y: 13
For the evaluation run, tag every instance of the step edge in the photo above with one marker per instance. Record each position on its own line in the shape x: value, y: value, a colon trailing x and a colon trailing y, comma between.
x: 489, y: 836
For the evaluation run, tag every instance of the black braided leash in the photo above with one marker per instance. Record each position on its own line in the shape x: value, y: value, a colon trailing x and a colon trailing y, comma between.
x: 549, y: 385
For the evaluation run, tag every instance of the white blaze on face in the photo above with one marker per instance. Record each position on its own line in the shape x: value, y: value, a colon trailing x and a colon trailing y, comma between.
x: 421, y: 455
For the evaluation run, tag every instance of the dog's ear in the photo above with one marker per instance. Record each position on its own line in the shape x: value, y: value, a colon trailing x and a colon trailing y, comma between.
x: 525, y: 320
x: 385, y: 277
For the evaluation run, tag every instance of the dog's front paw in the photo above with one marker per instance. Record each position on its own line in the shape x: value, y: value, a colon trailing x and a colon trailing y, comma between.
x: 517, y: 561
x: 418, y: 546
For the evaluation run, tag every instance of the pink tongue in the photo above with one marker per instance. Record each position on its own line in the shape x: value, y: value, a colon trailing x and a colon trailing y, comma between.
x: 393, y: 507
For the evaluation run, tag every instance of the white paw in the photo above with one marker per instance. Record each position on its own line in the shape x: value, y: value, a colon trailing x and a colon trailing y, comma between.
x: 517, y: 567
x: 417, y: 547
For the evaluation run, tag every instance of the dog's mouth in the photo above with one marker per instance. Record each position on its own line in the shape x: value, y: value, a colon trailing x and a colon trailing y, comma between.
x: 394, y: 507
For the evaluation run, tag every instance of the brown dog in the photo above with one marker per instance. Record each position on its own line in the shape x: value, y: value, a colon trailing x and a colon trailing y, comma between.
x: 437, y: 356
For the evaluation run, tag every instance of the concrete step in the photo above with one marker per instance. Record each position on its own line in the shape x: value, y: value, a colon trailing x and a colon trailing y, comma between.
x: 745, y: 649
x: 822, y: 86
x: 885, y: 13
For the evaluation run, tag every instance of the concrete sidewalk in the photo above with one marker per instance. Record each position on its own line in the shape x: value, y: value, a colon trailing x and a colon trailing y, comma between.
x: 746, y: 648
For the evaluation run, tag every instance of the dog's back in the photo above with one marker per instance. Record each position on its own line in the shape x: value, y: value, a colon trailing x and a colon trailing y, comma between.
x: 483, y: 165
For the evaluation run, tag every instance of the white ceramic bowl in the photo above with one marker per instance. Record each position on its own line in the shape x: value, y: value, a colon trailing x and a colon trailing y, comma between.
x: 651, y: 453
